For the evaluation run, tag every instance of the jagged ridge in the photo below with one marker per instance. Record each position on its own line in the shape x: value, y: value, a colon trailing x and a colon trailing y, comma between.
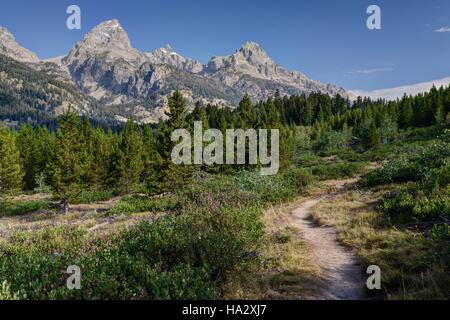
x: 105, y: 66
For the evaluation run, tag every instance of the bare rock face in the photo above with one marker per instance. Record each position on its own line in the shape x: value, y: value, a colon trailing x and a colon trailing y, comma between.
x: 168, y: 56
x: 104, y: 62
x: 108, y: 68
x: 108, y: 39
x: 10, y: 48
x: 125, y: 81
x: 251, y: 69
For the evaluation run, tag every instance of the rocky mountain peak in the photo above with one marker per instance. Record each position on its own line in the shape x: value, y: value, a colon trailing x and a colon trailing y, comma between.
x: 250, y: 58
x: 10, y: 48
x: 253, y: 53
x: 106, y: 67
x: 168, y: 48
x: 6, y: 35
x: 106, y: 38
x: 250, y: 48
x: 165, y: 51
x: 167, y: 55
x: 108, y: 34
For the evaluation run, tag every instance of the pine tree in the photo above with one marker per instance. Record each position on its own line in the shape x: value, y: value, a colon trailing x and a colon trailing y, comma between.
x: 130, y: 161
x: 11, y: 172
x: 26, y: 142
x: 307, y: 113
x: 36, y: 150
x: 199, y: 114
x: 440, y: 115
x: 270, y: 116
x: 177, y: 111
x: 176, y: 120
x: 373, y: 137
x: 245, y: 115
x: 174, y: 175
x: 68, y: 167
x: 406, y: 113
x: 152, y: 161
x: 88, y: 150
x: 100, y: 158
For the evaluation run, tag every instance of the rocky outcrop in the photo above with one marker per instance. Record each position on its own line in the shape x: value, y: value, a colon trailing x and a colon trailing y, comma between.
x: 10, y: 48
x: 250, y: 69
x: 125, y: 81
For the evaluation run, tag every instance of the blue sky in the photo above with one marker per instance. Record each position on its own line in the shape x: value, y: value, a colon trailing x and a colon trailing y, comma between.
x: 327, y: 40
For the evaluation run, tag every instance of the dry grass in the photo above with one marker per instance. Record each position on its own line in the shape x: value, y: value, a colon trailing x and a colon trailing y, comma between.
x: 402, y: 255
x: 287, y: 268
x: 88, y: 216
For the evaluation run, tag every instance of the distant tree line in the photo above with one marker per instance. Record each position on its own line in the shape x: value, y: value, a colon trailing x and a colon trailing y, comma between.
x: 75, y: 155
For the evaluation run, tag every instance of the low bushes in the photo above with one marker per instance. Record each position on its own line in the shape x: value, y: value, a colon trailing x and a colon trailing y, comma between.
x: 343, y: 164
x: 338, y: 170
x: 425, y: 193
x: 16, y: 208
x: 410, y: 202
x: 91, y: 196
x: 137, y: 203
x: 215, y: 230
x: 410, y: 165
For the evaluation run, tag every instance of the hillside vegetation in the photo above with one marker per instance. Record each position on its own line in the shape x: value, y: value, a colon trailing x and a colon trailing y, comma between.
x: 201, y: 226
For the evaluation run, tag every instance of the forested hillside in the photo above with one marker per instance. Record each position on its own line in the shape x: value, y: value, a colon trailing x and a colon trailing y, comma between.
x: 29, y: 95
x: 188, y: 229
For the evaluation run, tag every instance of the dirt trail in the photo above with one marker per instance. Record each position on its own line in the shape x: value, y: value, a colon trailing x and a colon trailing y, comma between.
x: 343, y: 278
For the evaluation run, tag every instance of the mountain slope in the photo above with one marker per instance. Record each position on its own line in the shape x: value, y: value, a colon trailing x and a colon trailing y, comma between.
x: 29, y: 94
x: 168, y: 56
x: 107, y: 67
x: 251, y: 70
x: 130, y: 83
x: 9, y: 47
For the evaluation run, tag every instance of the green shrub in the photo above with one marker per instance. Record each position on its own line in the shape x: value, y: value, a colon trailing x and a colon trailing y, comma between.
x: 91, y: 196
x: 410, y: 165
x: 216, y: 229
x: 17, y: 208
x: 411, y: 203
x: 332, y: 141
x: 308, y: 160
x: 137, y: 204
x: 338, y: 170
x: 6, y: 294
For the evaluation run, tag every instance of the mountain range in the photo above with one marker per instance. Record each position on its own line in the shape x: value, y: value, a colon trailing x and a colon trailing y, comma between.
x: 104, y: 76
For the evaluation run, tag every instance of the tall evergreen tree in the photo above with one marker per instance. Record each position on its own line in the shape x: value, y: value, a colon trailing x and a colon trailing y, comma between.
x: 406, y: 112
x: 11, y: 172
x: 307, y: 114
x: 152, y: 161
x: 130, y: 162
x: 176, y: 120
x: 174, y: 175
x: 100, y: 159
x: 36, y: 149
x: 68, y: 167
x: 270, y: 116
x: 245, y: 114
